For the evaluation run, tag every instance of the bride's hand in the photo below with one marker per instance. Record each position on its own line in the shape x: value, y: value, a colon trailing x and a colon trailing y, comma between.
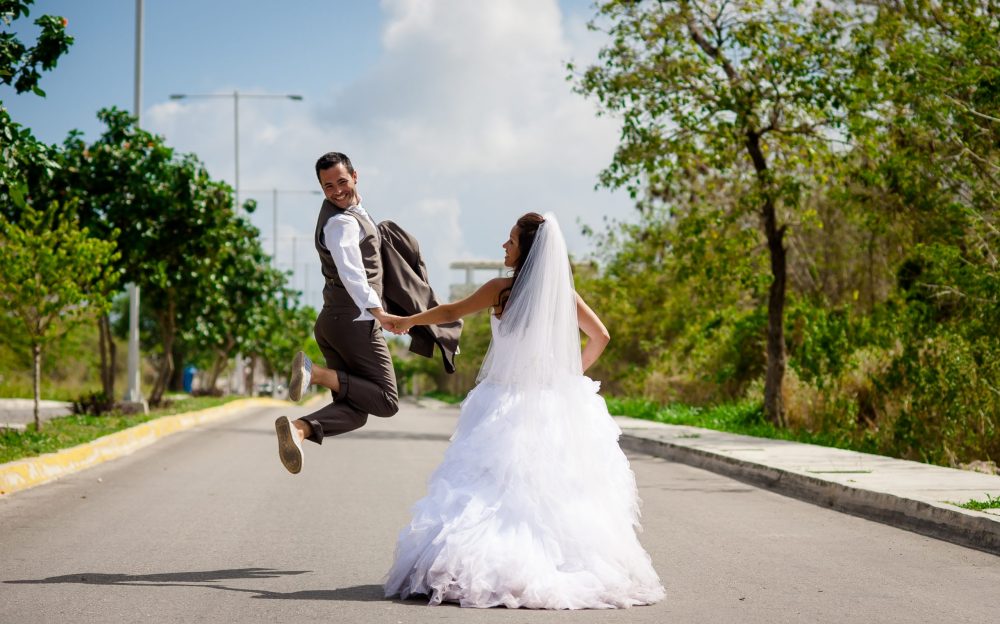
x: 396, y: 324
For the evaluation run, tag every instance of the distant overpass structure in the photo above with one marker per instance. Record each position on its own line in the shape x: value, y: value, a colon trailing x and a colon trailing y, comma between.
x: 472, y: 281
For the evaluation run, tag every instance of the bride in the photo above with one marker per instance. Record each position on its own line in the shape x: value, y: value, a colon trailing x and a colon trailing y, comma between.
x: 534, y: 504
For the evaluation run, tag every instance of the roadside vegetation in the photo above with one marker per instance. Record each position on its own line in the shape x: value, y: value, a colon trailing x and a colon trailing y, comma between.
x: 81, y: 219
x: 68, y: 431
x: 815, y: 250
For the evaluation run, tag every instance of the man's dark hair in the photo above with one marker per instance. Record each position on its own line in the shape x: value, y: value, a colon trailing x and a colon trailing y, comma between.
x: 332, y: 159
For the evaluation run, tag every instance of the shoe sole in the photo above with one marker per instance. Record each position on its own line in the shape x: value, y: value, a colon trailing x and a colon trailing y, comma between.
x: 288, y: 451
x: 295, y: 388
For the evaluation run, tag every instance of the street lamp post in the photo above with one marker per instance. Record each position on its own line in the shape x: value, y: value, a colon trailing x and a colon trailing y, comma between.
x: 274, y: 214
x: 236, y: 95
x: 134, y: 393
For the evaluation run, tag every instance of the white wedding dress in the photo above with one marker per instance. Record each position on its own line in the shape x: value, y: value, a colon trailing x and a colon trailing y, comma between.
x: 534, y: 504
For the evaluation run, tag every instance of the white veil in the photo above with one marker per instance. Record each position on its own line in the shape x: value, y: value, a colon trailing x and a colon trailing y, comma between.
x: 538, y: 338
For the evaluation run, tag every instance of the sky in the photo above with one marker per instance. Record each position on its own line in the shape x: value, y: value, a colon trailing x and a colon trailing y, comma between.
x: 456, y: 113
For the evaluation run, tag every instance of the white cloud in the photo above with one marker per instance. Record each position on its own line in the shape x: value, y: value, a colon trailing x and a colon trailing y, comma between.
x: 464, y: 122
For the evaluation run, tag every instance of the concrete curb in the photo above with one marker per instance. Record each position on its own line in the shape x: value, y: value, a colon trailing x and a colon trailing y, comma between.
x: 26, y: 473
x: 931, y: 518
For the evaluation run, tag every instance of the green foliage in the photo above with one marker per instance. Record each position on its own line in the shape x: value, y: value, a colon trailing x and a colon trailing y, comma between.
x: 25, y: 163
x: 991, y: 502
x: 685, y: 316
x: 55, y: 273
x: 93, y: 403
x: 202, y: 272
x: 743, y: 417
x: 882, y: 161
x: 69, y: 369
x: 414, y: 373
x: 690, y: 79
x: 280, y: 328
x: 206, y: 283
x: 69, y: 431
x: 20, y: 63
x: 741, y: 97
x: 54, y: 276
x: 476, y: 336
x: 444, y: 397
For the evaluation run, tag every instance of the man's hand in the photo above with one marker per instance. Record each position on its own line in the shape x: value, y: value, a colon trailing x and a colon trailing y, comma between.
x: 390, y: 322
x: 396, y: 324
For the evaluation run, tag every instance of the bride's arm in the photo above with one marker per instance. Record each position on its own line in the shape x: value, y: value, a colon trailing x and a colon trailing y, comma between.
x: 597, y: 334
x: 483, y: 298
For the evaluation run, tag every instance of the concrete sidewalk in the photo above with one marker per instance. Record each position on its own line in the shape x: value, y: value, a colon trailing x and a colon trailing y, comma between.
x: 17, y: 413
x: 906, y: 494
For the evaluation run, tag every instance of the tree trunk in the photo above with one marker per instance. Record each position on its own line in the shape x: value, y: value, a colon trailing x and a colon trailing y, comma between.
x: 108, y: 356
x: 177, y: 377
x: 248, y: 378
x: 221, y: 358
x: 168, y: 329
x: 774, y: 407
x: 36, y: 349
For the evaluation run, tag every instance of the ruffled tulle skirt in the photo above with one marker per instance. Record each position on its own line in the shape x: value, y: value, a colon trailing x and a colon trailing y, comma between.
x: 533, y: 506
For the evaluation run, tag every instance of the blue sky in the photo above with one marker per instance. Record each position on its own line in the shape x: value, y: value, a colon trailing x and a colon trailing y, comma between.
x: 456, y: 113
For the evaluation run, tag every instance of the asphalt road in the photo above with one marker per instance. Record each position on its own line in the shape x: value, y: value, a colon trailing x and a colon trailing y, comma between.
x: 206, y: 526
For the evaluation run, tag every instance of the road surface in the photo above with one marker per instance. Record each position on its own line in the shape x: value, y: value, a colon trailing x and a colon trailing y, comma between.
x: 206, y: 526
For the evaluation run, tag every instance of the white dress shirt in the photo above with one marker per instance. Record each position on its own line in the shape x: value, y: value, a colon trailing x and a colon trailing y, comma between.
x: 341, y: 237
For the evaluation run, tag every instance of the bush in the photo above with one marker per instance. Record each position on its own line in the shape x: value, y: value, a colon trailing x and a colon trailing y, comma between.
x: 941, y: 402
x: 93, y: 403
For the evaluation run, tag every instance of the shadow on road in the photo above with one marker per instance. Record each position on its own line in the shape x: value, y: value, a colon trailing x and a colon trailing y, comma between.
x: 163, y: 579
x: 210, y: 578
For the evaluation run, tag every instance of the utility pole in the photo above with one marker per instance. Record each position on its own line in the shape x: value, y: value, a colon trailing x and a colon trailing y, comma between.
x: 134, y: 393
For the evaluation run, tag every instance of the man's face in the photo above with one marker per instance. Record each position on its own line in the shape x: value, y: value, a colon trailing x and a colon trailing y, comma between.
x: 339, y: 186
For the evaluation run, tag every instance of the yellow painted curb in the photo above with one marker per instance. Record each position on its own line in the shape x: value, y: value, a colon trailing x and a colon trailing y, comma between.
x: 25, y: 473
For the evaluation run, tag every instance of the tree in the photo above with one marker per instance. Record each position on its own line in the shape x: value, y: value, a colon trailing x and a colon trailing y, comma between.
x: 19, y: 63
x: 118, y: 182
x: 54, y: 275
x: 24, y: 161
x: 245, y: 292
x: 281, y: 328
x: 751, y: 89
x: 932, y: 157
x: 172, y: 217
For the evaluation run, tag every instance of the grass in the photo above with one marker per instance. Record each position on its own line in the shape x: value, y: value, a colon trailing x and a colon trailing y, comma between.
x: 991, y: 502
x: 68, y: 431
x: 69, y: 392
x: 745, y: 417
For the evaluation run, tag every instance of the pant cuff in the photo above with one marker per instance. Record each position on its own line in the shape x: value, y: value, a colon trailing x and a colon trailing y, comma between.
x: 316, y: 430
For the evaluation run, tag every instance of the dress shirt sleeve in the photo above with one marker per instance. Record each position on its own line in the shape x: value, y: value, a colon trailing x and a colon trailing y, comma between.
x: 342, y: 235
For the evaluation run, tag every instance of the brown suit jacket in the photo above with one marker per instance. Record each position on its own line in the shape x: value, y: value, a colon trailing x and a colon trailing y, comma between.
x: 406, y: 291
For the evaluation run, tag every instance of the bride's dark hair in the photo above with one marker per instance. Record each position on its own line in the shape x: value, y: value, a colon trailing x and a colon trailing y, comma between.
x: 527, y: 227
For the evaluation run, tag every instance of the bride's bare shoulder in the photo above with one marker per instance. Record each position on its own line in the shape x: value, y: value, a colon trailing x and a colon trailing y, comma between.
x: 497, y: 284
x: 500, y: 283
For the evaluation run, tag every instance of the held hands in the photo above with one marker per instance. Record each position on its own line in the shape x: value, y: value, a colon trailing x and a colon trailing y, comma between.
x: 398, y: 325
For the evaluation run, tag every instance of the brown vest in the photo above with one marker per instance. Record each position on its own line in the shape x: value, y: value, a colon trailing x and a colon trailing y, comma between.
x: 334, y: 294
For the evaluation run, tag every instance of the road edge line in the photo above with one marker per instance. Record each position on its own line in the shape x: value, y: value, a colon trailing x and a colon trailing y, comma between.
x: 22, y: 474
